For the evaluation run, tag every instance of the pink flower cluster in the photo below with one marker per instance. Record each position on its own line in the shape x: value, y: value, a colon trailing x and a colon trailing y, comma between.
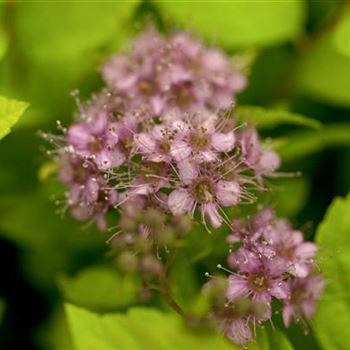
x: 272, y: 262
x: 158, y: 138
x: 175, y: 72
x: 138, y: 137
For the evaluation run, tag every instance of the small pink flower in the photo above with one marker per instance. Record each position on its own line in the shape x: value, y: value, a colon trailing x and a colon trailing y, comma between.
x: 263, y: 162
x: 97, y: 140
x: 202, y: 189
x: 199, y: 138
x: 175, y: 72
x: 304, y: 293
x: 88, y: 195
x: 238, y: 331
x: 260, y: 280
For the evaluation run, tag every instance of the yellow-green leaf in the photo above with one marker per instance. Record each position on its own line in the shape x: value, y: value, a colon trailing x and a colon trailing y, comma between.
x: 238, y: 24
x: 269, y: 118
x: 10, y: 112
x: 332, y: 320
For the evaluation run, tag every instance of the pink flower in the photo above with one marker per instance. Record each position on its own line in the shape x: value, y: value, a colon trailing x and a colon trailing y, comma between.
x: 260, y: 280
x: 154, y: 145
x: 97, y: 140
x: 199, y: 138
x: 260, y: 160
x: 274, y: 238
x: 88, y: 195
x: 238, y: 331
x: 304, y: 293
x: 201, y: 188
x: 175, y: 72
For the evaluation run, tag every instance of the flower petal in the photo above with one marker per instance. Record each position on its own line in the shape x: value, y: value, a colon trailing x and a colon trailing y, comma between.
x: 180, y: 202
x: 180, y: 150
x: 188, y: 171
x: 227, y: 193
x: 223, y: 142
x: 210, y: 210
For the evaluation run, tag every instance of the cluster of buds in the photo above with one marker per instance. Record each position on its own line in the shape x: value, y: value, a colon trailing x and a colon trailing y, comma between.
x: 271, y: 262
x: 145, y: 237
x: 160, y: 144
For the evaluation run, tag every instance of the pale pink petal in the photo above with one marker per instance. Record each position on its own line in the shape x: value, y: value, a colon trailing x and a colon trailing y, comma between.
x: 308, y: 307
x: 99, y: 124
x: 210, y: 211
x: 287, y: 314
x: 109, y: 159
x: 269, y: 161
x: 79, y: 135
x: 306, y: 250
x: 227, y: 193
x: 223, y: 142
x: 264, y: 299
x: 238, y: 331
x: 180, y: 202
x: 237, y: 287
x: 180, y: 150
x: 279, y: 290
x: 145, y: 143
x: 300, y: 269
x: 188, y: 171
x: 206, y: 156
x: 157, y: 104
x: 209, y: 123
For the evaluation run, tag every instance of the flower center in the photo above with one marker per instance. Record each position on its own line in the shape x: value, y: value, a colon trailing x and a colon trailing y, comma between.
x: 199, y: 140
x: 182, y: 95
x: 164, y: 147
x: 146, y: 87
x: 96, y: 144
x: 259, y: 282
x: 204, y: 191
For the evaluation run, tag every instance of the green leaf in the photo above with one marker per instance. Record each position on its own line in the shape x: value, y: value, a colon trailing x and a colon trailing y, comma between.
x: 31, y: 222
x: 3, y: 36
x: 303, y: 143
x: 10, y: 112
x: 62, y: 30
x: 342, y: 34
x: 111, y: 291
x: 145, y: 328
x: 332, y: 320
x: 323, y: 74
x: 54, y: 334
x: 238, y: 24
x: 59, y: 47
x: 269, y: 118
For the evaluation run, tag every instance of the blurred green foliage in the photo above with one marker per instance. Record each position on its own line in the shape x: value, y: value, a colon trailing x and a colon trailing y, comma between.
x: 298, y: 95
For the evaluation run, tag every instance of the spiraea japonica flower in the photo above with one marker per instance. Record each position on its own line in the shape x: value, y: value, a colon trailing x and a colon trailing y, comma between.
x: 173, y: 72
x: 272, y: 263
x: 160, y: 145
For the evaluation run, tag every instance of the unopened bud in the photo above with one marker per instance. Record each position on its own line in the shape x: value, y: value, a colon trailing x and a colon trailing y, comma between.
x: 151, y: 266
x: 127, y: 223
x: 127, y: 262
x: 182, y: 225
x: 165, y: 237
x: 154, y: 218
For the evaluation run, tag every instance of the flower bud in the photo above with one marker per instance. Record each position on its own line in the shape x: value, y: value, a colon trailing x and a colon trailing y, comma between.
x: 151, y: 266
x: 182, y: 225
x: 154, y: 218
x: 127, y: 262
x: 165, y: 237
